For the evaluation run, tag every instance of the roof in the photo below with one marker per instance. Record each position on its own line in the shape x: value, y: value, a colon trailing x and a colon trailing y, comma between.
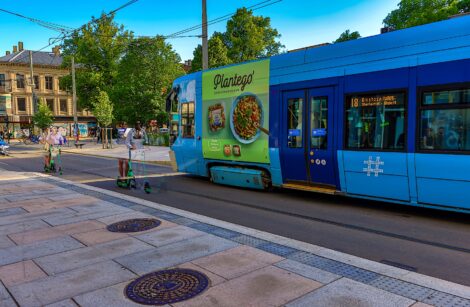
x: 39, y: 58
x: 447, y: 40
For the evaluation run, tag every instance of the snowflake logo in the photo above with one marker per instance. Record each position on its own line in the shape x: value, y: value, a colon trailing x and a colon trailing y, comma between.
x: 373, y: 166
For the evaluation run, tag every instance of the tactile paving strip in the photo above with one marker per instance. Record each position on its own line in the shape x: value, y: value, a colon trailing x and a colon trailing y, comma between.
x: 441, y: 299
x: 277, y: 249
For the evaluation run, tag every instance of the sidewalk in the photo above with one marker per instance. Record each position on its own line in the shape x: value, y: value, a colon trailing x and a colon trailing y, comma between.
x: 153, y: 154
x: 55, y: 249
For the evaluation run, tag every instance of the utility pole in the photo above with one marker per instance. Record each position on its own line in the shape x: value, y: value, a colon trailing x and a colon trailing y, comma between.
x: 74, y: 102
x: 33, y: 85
x: 205, y: 51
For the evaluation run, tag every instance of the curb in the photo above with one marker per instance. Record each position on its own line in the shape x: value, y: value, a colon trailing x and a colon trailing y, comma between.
x: 379, y: 268
x: 165, y: 163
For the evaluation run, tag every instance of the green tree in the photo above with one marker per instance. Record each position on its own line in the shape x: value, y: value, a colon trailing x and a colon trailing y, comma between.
x: 218, y: 54
x: 347, y: 36
x: 250, y: 37
x: 102, y: 109
x: 97, y: 48
x: 145, y: 75
x: 412, y: 13
x: 247, y: 37
x: 44, y: 117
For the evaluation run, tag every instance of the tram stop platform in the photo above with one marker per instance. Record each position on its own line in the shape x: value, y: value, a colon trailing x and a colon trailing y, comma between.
x: 68, y: 244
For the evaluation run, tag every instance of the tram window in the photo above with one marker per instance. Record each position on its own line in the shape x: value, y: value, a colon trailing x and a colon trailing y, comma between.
x: 294, y: 123
x: 319, y: 122
x: 376, y: 122
x: 187, y: 119
x: 445, y: 121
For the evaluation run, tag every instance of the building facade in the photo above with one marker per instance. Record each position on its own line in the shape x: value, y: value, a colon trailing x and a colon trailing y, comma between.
x: 16, y: 92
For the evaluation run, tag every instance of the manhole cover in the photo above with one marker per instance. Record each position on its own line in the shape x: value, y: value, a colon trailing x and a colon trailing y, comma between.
x: 167, y: 287
x: 133, y: 225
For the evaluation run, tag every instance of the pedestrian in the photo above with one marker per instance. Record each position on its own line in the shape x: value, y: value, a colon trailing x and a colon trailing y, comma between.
x: 98, y: 134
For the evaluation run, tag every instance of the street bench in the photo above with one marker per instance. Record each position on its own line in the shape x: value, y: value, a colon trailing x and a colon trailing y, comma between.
x: 77, y: 145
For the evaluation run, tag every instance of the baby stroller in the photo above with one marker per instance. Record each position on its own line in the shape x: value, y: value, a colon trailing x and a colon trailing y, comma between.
x: 3, y: 147
x: 54, y: 160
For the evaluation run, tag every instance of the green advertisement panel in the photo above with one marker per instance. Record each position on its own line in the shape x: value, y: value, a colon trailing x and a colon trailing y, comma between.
x: 236, y: 113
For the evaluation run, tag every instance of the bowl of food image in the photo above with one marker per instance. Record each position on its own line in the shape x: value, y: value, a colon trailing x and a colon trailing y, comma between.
x: 246, y: 118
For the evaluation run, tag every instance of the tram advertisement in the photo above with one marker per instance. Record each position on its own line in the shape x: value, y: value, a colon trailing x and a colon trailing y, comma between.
x: 236, y: 113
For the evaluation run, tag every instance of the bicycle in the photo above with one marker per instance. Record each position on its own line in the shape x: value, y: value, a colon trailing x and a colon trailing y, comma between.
x: 27, y: 140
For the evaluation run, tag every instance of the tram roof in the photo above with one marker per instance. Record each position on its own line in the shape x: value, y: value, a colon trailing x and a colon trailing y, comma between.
x: 442, y: 41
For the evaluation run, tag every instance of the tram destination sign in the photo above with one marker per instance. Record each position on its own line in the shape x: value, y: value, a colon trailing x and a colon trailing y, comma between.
x: 376, y: 100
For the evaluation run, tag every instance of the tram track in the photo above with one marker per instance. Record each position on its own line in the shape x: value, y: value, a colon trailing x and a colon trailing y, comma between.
x: 329, y: 222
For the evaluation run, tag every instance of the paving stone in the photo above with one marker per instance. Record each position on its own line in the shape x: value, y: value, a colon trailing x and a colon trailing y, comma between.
x: 56, y: 288
x: 321, y: 276
x: 97, y: 206
x: 237, y: 261
x: 161, y: 237
x: 65, y: 196
x: 56, y: 221
x: 5, y: 242
x: 174, y: 254
x: 269, y: 286
x: 55, y: 213
x: 419, y: 304
x: 12, y: 211
x: 110, y: 296
x: 214, y: 279
x: 5, y: 298
x: 23, y: 226
x: 347, y: 292
x: 38, y: 249
x: 98, y: 236
x: 124, y: 216
x: 54, y: 232
x: 20, y: 272
x: 70, y: 260
x: 64, y: 303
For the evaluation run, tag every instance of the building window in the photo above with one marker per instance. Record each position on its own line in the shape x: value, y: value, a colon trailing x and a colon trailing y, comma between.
x: 63, y: 106
x: 50, y: 104
x: 294, y: 123
x: 187, y: 119
x: 445, y: 120
x: 36, y: 82
x: 21, y: 104
x: 2, y: 80
x: 49, y: 83
x: 376, y: 122
x: 19, y: 81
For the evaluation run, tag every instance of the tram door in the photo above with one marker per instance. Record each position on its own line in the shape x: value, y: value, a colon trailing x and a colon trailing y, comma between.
x: 308, y: 154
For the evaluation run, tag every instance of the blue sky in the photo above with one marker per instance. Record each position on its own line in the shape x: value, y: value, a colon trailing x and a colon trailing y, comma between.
x: 301, y: 23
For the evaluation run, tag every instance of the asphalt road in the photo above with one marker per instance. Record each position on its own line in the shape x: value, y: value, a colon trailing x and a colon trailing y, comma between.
x: 430, y: 242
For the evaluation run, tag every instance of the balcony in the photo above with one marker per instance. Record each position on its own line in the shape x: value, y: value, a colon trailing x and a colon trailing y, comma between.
x: 4, y: 89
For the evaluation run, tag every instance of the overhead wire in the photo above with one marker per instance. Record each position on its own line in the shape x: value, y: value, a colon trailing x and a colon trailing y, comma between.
x: 64, y: 36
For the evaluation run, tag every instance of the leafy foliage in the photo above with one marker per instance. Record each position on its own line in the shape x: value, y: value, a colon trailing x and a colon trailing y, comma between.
x: 44, y: 117
x: 247, y: 37
x: 97, y: 48
x: 417, y: 12
x: 218, y: 54
x: 347, y: 36
x: 143, y: 79
x: 102, y: 109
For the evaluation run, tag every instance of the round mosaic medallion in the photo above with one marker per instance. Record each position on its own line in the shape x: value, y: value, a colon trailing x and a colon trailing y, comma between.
x: 167, y: 286
x: 133, y: 225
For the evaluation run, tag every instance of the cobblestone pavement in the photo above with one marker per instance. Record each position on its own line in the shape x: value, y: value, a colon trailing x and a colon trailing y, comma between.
x: 55, y: 250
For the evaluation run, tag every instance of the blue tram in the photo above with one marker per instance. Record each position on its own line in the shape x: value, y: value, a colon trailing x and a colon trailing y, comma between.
x: 385, y: 118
